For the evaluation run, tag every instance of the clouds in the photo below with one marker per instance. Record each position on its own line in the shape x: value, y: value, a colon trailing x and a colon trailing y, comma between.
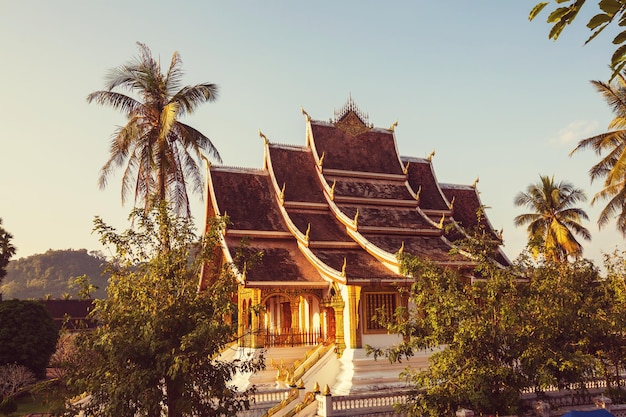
x: 571, y: 134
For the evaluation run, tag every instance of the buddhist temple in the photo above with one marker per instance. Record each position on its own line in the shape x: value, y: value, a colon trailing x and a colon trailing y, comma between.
x: 327, y: 220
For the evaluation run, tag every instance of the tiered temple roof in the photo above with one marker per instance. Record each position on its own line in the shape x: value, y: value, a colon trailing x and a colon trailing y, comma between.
x: 340, y: 208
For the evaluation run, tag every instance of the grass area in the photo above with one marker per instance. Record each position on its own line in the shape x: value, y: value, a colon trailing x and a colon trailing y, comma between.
x: 29, y: 404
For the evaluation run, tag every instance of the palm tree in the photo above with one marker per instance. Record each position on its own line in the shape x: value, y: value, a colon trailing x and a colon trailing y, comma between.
x: 612, y: 167
x: 554, y: 220
x: 7, y: 250
x: 160, y: 154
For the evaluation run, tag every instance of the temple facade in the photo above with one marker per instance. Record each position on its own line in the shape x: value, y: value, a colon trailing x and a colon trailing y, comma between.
x: 326, y: 221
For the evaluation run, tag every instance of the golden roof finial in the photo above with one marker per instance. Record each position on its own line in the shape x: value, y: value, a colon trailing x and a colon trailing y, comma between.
x: 282, y: 193
x: 452, y: 202
x: 316, y: 388
x: 300, y: 384
x: 393, y: 126
x: 265, y: 141
x: 306, y: 115
x: 443, y: 218
x: 475, y: 182
x: 356, y: 218
x: 320, y: 163
x: 405, y: 169
x: 417, y: 194
x: 308, y: 232
x: 332, y: 190
x: 401, y: 250
x: 430, y: 157
x: 326, y: 390
x: 343, y: 268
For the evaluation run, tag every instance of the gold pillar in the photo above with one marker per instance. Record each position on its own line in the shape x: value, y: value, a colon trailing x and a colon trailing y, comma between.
x: 338, y: 306
x: 294, y: 304
x: 354, y: 296
x: 256, y: 329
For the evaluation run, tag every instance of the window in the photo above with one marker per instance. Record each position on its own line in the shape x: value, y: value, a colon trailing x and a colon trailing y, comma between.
x: 374, y: 301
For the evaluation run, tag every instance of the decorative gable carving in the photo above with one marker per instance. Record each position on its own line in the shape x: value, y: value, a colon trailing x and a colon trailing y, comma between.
x: 351, y: 119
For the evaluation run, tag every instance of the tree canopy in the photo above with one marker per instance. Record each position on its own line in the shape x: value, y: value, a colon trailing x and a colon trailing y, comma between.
x: 172, y: 361
x: 161, y: 154
x: 611, y: 146
x: 554, y: 218
x: 28, y: 335
x: 53, y: 274
x: 609, y: 12
x: 509, y: 330
x: 7, y: 250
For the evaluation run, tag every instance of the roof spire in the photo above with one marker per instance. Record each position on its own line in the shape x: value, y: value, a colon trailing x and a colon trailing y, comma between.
x: 393, y: 126
x: 306, y: 115
x: 351, y: 107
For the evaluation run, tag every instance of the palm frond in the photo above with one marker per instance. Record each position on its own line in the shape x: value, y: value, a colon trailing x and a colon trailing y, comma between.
x: 191, y: 96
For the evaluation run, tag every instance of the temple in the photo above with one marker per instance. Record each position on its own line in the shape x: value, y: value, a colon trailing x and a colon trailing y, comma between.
x: 327, y: 221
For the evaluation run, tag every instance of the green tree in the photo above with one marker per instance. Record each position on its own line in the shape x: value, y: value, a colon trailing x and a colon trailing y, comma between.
x: 7, y: 250
x: 559, y: 323
x: 479, y: 325
x: 609, y: 341
x: 171, y: 360
x: 612, y: 166
x: 28, y: 335
x: 609, y: 11
x: 155, y: 147
x: 54, y: 272
x: 514, y: 328
x: 554, y: 219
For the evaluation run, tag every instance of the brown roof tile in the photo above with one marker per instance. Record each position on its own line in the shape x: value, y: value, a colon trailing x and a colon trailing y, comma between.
x: 370, y: 189
x: 324, y: 226
x: 431, y: 248
x: 359, y: 264
x: 421, y: 175
x: 372, y: 151
x: 248, y: 199
x: 281, y: 261
x: 295, y: 167
x: 402, y: 217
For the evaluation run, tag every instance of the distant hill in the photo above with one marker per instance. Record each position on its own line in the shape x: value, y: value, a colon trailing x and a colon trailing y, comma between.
x: 51, y: 274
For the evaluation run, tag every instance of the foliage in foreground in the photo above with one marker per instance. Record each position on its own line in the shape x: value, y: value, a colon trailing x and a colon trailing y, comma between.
x: 609, y: 12
x: 159, y: 338
x: 28, y: 335
x: 525, y: 327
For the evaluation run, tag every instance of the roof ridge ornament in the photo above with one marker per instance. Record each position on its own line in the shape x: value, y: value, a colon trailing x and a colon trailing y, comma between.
x: 351, y: 119
x: 475, y: 182
x: 343, y: 268
x: 282, y: 195
x: 262, y: 136
x: 320, y: 162
x: 394, y: 125
x: 306, y: 115
x: 430, y: 157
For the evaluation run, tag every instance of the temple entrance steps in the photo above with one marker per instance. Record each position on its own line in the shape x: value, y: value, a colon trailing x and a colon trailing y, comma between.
x: 353, y: 372
x: 360, y: 373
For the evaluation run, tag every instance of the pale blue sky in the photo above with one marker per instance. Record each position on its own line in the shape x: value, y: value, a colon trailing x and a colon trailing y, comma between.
x: 474, y: 81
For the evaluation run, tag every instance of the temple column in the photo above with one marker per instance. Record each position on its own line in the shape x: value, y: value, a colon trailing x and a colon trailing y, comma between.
x: 255, y: 328
x: 295, y: 317
x: 338, y: 305
x: 354, y: 297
